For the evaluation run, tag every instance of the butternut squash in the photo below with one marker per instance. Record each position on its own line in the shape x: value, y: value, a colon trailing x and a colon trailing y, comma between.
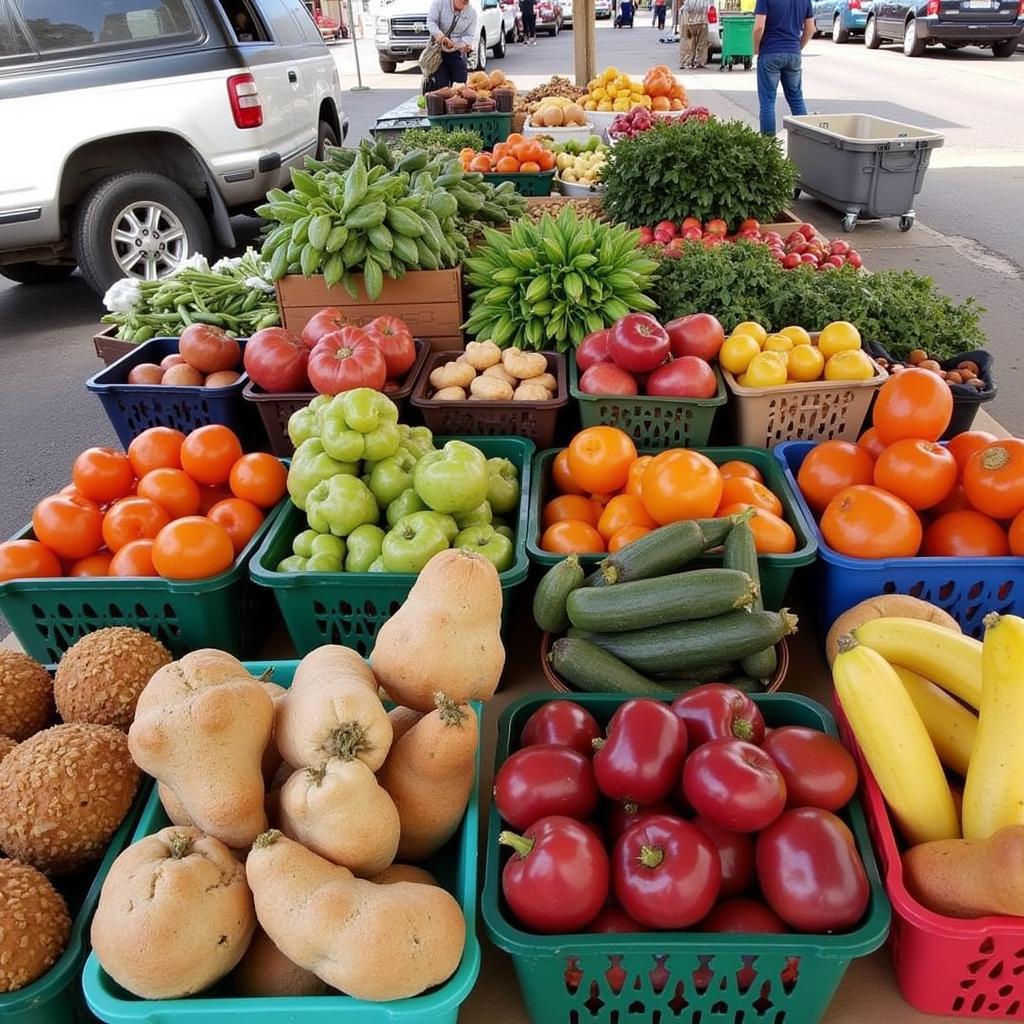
x: 447, y: 635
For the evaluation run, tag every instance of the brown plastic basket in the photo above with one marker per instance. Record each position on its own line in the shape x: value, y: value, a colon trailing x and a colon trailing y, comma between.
x: 276, y: 410
x: 535, y: 420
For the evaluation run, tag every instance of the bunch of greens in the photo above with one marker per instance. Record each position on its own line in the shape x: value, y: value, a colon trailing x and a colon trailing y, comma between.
x: 437, y: 140
x: 553, y: 282
x: 703, y: 169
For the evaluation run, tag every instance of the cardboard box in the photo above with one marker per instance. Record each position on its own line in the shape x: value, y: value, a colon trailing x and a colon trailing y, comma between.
x: 109, y: 348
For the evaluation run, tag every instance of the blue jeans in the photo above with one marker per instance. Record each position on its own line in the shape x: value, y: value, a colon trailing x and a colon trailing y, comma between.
x: 770, y: 68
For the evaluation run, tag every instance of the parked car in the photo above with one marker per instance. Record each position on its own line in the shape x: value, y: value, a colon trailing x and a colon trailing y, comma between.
x: 151, y: 122
x: 330, y: 30
x: 841, y: 18
x: 566, y: 13
x: 401, y: 32
x: 998, y: 24
x: 602, y: 9
x: 513, y: 19
x: 549, y: 16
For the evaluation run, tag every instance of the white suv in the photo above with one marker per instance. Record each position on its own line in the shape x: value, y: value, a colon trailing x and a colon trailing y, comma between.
x: 135, y: 128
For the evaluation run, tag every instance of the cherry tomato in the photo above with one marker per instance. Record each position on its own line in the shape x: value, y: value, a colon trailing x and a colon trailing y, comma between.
x: 570, y: 536
x: 624, y: 537
x: 192, y: 548
x: 102, y: 475
x: 156, y: 448
x: 571, y: 506
x: 743, y: 916
x: 965, y: 534
x: 562, y: 723
x: 557, y: 877
x: 964, y: 445
x: 810, y: 872
x: 624, y: 510
x: 718, y: 711
x: 994, y: 479
x: 599, y: 458
x: 260, y: 478
x: 772, y: 534
x: 562, y: 477
x: 681, y: 484
x: 922, y: 473
x: 94, y: 565
x: 750, y: 492
x: 208, y: 454
x: 735, y: 785
x: 133, y: 519
x: 640, y: 760
x: 817, y: 769
x: 240, y: 518
x: 27, y: 559
x: 831, y: 467
x: 913, y: 403
x: 665, y: 872
x: 736, y: 854
x: 134, y: 559
x: 614, y: 919
x: 540, y: 780
x: 737, y: 468
x: 72, y: 528
x: 622, y: 816
x: 636, y: 473
x: 866, y: 522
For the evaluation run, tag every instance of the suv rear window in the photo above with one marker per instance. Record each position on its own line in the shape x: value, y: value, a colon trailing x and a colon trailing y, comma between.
x: 70, y: 25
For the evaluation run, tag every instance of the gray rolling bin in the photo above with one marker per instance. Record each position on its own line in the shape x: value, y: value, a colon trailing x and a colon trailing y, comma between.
x: 861, y: 165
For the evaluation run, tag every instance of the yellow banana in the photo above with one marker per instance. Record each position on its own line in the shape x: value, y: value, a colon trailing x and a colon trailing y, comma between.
x: 951, y: 660
x: 994, y: 794
x: 950, y: 725
x: 895, y: 744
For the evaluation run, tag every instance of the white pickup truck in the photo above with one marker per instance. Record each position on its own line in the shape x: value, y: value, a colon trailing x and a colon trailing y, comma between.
x: 401, y: 32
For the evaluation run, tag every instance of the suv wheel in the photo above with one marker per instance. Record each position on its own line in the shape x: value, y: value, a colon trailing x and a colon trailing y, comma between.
x: 136, y: 224
x: 839, y: 34
x: 1004, y: 48
x: 872, y: 40
x: 37, y: 273
x: 499, y: 48
x: 912, y: 45
x: 325, y: 136
x: 481, y: 55
x: 389, y: 67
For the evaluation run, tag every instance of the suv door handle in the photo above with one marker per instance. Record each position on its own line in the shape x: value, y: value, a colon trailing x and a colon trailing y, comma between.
x: 293, y: 76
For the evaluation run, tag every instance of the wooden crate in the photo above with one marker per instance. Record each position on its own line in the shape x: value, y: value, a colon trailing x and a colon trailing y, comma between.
x: 429, y: 301
x: 109, y: 348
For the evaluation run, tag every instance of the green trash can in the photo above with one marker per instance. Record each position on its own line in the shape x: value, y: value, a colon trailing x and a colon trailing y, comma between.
x: 737, y: 31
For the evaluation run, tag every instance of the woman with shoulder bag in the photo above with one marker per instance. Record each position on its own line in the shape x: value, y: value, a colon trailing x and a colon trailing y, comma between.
x: 443, y: 62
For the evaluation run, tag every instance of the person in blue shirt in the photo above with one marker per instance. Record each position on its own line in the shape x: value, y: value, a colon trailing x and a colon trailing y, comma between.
x: 782, y: 28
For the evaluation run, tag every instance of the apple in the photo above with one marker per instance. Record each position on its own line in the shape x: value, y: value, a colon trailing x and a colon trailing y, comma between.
x: 795, y: 238
x: 839, y: 247
x: 593, y: 349
x: 717, y: 227
x: 663, y: 236
x: 752, y: 234
x: 799, y: 248
x: 693, y: 234
x: 676, y: 246
x: 772, y: 238
x: 791, y: 260
x: 666, y: 226
x: 808, y: 257
x: 686, y: 377
x: 646, y: 236
x: 692, y: 222
x: 608, y: 379
x: 699, y: 334
x: 835, y: 261
x: 638, y: 343
x: 853, y: 258
x: 807, y: 230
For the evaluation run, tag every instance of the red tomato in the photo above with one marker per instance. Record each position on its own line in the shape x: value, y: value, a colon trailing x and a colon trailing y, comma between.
x: 102, y: 475
x: 964, y: 445
x: 394, y: 339
x: 275, y: 359
x: 556, y: 881
x: 867, y: 522
x: 344, y: 360
x: 600, y: 457
x: 192, y: 548
x: 734, y: 784
x: 72, y: 528
x: 622, y: 816
x: 831, y: 467
x: 613, y: 919
x: 134, y: 559
x: 965, y: 534
x: 698, y: 334
x: 922, y: 473
x: 156, y: 448
x: 564, y: 724
x: 810, y: 872
x: 736, y: 853
x: 681, y: 484
x: 718, y: 711
x: 914, y: 403
x: 94, y: 565
x: 593, y: 349
x: 607, y: 379
x: 209, y: 349
x: 27, y: 559
x: 994, y: 479
x: 259, y: 478
x: 641, y: 758
x: 685, y: 377
x: 173, y: 490
x: 133, y: 519
x: 320, y: 324
x: 638, y: 343
x: 544, y: 779
x: 240, y: 518
x: 818, y: 770
x: 208, y: 454
x: 665, y: 872
x: 748, y: 917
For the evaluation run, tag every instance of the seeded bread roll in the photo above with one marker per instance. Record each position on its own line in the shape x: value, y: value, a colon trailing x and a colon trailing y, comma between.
x: 34, y: 925
x: 26, y: 695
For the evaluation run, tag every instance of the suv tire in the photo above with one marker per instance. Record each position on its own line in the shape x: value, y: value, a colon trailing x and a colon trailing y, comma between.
x: 872, y: 40
x: 37, y: 273
x: 325, y: 136
x: 1005, y: 48
x: 912, y: 45
x: 104, y: 206
x: 389, y: 67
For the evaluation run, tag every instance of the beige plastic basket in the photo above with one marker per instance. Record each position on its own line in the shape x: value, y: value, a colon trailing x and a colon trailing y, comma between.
x: 823, y: 410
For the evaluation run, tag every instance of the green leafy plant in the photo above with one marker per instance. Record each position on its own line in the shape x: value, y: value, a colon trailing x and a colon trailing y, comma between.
x: 702, y: 169
x: 551, y: 283
x: 437, y: 140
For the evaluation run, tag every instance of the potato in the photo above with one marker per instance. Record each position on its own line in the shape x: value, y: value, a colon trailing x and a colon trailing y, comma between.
x: 524, y: 365
x: 452, y: 375
x: 481, y: 354
x: 531, y: 393
x: 500, y: 373
x: 545, y: 380
x: 490, y: 389
x: 450, y: 395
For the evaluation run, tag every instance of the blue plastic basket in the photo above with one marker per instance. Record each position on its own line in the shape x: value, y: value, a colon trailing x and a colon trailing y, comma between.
x: 455, y: 867
x: 132, y: 408
x: 967, y: 588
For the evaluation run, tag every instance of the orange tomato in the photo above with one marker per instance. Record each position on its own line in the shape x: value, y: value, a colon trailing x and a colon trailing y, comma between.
x: 600, y: 457
x: 507, y: 165
x: 102, y: 475
x: 681, y: 484
x: 866, y: 522
x: 913, y: 403
x: 94, y: 565
x: 602, y: 498
x: 661, y: 103
x: 922, y: 473
x: 72, y: 528
x: 636, y: 472
x: 530, y: 166
x: 964, y: 445
x: 192, y: 548
x: 156, y: 448
x: 514, y: 139
x: 133, y: 519
x: 772, y: 534
x: 562, y: 477
x: 625, y: 536
x: 209, y: 496
x: 480, y: 163
x: 965, y: 534
x: 737, y: 467
x: 741, y: 489
x: 955, y: 501
x: 1016, y: 535
x: 240, y: 518
x: 467, y: 153
x: 570, y: 536
x: 994, y: 479
x: 208, y: 454
x: 623, y: 510
x: 530, y: 150
x: 134, y: 559
x: 571, y: 506
x: 260, y: 478
x: 547, y: 160
x: 871, y: 442
x: 499, y: 150
x: 172, y: 489
x: 27, y: 559
x: 831, y: 467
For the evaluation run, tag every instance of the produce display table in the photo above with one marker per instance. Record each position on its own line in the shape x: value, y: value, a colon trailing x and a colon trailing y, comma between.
x: 395, y: 121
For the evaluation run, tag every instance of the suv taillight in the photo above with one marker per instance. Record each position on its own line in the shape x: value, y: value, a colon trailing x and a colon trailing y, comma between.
x: 712, y: 15
x: 246, y: 108
x: 932, y: 8
x: 854, y: 5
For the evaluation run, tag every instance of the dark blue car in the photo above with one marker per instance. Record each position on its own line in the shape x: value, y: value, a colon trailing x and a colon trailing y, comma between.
x: 841, y: 18
x: 917, y: 24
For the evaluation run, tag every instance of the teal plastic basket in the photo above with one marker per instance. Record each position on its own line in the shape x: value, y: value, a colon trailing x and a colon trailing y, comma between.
x: 349, y: 608
x: 492, y: 128
x: 534, y: 183
x: 776, y: 570
x: 455, y: 867
x: 679, y: 977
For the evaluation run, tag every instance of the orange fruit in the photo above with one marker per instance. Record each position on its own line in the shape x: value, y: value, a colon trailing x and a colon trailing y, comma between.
x: 529, y: 167
x: 507, y: 165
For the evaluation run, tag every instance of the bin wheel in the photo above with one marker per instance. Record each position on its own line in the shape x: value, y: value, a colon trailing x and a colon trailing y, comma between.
x: 850, y: 222
x: 730, y: 65
x: 906, y: 222
x: 747, y: 62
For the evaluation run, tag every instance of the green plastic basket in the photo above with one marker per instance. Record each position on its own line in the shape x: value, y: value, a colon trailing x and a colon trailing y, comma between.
x: 651, y: 421
x: 534, y: 183
x: 455, y: 867
x: 776, y: 570
x: 679, y: 977
x: 224, y: 611
x: 349, y: 607
x: 492, y: 128
x: 56, y: 997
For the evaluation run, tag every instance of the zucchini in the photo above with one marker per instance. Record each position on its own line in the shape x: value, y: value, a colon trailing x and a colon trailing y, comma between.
x: 717, y: 673
x: 698, y: 594
x: 552, y: 593
x: 741, y: 553
x: 590, y: 669
x: 682, y: 646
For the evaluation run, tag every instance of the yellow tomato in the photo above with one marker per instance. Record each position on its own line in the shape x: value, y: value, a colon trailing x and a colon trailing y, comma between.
x: 742, y: 380
x: 839, y: 336
x: 767, y: 370
x: 610, y: 74
x: 590, y: 105
x: 849, y: 364
x: 805, y: 363
x: 756, y: 331
x: 611, y: 90
x: 737, y: 351
x: 778, y: 343
x: 798, y: 335
x: 600, y: 93
x: 620, y: 105
x: 605, y: 105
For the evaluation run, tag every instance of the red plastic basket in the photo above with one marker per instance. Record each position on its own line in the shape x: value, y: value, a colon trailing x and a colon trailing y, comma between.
x: 944, y: 965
